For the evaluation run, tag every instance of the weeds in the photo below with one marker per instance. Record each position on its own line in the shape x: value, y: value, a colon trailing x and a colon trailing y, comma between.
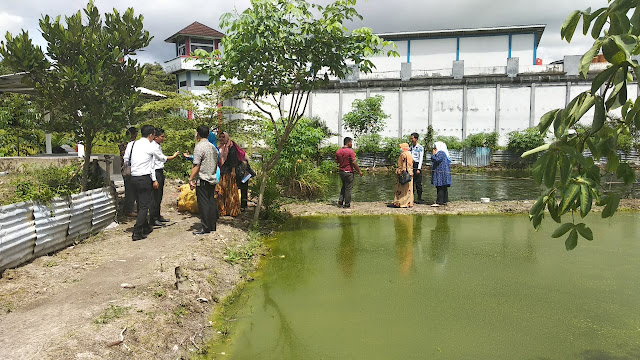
x: 234, y: 255
x: 159, y: 293
x: 110, y: 313
x: 50, y: 263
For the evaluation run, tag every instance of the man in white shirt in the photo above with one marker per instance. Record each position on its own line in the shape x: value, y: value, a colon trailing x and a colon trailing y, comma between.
x: 129, y: 195
x: 158, y: 167
x: 417, y: 153
x: 143, y: 178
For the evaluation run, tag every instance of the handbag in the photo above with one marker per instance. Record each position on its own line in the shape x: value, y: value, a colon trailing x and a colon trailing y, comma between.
x: 126, y: 166
x: 404, y: 176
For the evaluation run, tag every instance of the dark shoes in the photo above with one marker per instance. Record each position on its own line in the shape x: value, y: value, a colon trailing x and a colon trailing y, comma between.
x: 137, y: 237
x: 163, y: 220
x: 419, y: 201
x: 157, y: 223
x: 201, y: 232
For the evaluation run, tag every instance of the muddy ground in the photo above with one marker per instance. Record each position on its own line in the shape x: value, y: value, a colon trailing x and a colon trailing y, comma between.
x: 72, y: 305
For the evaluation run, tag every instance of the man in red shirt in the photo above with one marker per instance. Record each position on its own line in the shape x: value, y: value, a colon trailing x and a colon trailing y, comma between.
x: 346, y: 159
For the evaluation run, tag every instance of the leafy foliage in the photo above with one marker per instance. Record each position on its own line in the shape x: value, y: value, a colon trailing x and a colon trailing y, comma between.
x: 288, y: 47
x: 87, y: 77
x: 369, y: 143
x: 573, y: 182
x: 366, y: 116
x: 489, y: 140
x: 521, y: 141
x: 453, y: 143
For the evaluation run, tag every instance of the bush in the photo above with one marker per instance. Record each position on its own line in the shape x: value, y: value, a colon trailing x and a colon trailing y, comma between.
x: 369, y: 144
x: 327, y: 152
x: 524, y: 140
x: 366, y: 116
x: 42, y: 184
x: 489, y: 140
x: 453, y: 143
x: 391, y: 147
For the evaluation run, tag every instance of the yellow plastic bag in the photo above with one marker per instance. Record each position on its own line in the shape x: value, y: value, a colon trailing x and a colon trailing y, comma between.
x: 187, y: 200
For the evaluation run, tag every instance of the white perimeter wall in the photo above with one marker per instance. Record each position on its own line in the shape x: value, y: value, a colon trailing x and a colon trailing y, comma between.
x: 432, y: 54
x: 484, y: 51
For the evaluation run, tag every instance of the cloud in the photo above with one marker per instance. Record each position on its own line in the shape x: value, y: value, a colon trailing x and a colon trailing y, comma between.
x: 10, y: 22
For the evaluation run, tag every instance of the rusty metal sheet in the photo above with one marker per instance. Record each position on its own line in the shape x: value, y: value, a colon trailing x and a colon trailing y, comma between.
x: 104, y: 208
x: 52, y: 223
x: 81, y: 214
x: 17, y: 234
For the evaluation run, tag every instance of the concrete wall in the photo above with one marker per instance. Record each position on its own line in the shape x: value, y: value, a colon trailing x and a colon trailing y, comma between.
x: 484, y: 51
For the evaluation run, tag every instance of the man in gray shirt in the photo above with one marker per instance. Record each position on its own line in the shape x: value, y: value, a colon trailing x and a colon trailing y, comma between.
x: 203, y: 179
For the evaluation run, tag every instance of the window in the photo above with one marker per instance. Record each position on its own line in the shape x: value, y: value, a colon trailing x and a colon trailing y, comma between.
x: 201, y: 83
x: 207, y: 48
x: 183, y: 83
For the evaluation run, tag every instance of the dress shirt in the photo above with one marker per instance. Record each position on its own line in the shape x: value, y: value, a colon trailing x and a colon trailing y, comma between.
x: 144, y: 157
x: 127, y: 152
x: 157, y: 164
x: 417, y: 153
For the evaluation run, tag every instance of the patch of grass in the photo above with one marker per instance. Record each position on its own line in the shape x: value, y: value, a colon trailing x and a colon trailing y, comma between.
x: 110, y: 313
x: 50, y: 263
x: 180, y: 311
x: 9, y: 308
x: 159, y: 293
x: 234, y: 255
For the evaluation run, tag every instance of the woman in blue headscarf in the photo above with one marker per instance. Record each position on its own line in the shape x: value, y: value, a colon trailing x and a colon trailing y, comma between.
x: 441, y: 172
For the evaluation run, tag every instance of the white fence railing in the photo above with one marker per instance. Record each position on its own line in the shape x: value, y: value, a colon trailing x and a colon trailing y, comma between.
x: 29, y: 230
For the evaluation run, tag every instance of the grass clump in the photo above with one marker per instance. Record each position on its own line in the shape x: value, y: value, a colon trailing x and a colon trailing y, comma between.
x: 111, y: 313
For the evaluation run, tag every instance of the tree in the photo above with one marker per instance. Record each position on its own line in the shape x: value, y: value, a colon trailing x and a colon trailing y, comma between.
x: 86, y: 78
x: 156, y: 79
x: 366, y: 116
x: 288, y: 48
x: 579, y: 182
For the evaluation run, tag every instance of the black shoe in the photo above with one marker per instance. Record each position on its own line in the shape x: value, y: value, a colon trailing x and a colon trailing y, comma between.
x: 163, y: 220
x: 201, y: 232
x: 340, y: 204
x: 419, y: 201
x: 157, y: 223
x: 391, y: 206
x: 347, y: 206
x: 146, y: 232
x: 138, y: 237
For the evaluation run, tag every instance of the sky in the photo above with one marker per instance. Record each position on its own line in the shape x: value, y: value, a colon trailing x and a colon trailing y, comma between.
x: 162, y: 18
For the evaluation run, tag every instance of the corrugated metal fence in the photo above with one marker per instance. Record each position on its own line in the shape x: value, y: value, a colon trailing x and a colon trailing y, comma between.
x: 29, y: 230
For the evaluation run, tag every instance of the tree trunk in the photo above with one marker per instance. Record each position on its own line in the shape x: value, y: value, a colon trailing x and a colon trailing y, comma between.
x: 87, y: 162
x: 263, y: 186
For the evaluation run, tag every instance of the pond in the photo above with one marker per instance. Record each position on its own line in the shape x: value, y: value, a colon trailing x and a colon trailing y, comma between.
x: 504, y: 185
x: 440, y: 287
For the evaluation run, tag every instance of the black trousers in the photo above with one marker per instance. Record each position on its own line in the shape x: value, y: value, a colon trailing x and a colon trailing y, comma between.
x: 143, y: 187
x: 207, y: 205
x: 129, y: 196
x: 244, y: 193
x: 443, y: 195
x: 347, y: 186
x: 417, y: 180
x: 157, y: 196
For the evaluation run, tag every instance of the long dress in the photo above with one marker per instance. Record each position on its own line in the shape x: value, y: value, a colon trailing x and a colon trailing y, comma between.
x: 404, y: 193
x: 227, y: 190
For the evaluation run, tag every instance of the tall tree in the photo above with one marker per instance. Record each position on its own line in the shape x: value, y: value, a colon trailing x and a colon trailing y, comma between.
x: 288, y: 47
x: 86, y: 74
x: 366, y: 116
x: 573, y: 181
x: 156, y: 79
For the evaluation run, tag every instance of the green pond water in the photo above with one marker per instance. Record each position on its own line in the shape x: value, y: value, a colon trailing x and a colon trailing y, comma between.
x: 440, y: 287
x: 505, y: 185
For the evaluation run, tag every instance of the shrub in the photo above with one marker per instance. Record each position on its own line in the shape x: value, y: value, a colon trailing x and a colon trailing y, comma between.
x: 453, y: 143
x: 366, y: 117
x: 489, y: 140
x: 327, y: 152
x: 369, y: 144
x: 524, y: 140
x: 391, y: 147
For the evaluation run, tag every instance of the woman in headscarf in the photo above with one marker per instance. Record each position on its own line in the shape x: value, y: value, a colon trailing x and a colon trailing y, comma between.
x: 227, y: 193
x: 441, y: 172
x: 404, y: 193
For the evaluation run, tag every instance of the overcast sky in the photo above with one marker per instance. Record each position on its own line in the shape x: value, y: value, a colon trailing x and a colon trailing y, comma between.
x: 162, y: 18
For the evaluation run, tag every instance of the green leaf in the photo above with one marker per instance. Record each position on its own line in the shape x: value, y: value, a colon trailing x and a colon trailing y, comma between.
x: 568, y: 197
x: 552, y: 206
x: 550, y: 170
x: 625, y: 43
x: 626, y: 173
x: 602, y: 78
x: 618, y: 23
x: 598, y: 24
x: 612, y: 52
x: 561, y: 230
x: 584, y: 231
x: 536, y: 150
x: 586, y: 199
x: 569, y: 26
x: 538, y: 206
x: 611, y: 205
x: 635, y: 22
x: 537, y: 220
x: 546, y: 120
x: 572, y: 240
x: 587, y: 58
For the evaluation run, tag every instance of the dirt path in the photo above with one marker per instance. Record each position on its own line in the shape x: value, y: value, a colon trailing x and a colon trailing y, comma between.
x: 72, y: 306
x: 453, y: 208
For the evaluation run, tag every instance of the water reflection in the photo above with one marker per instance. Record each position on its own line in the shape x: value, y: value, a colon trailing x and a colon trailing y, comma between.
x: 347, y: 249
x: 440, y: 239
x: 287, y: 342
x: 403, y: 226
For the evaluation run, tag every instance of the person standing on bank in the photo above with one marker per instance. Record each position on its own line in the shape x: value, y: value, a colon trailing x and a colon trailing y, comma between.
x: 203, y: 179
x: 403, y: 197
x: 143, y: 177
x: 125, y: 152
x: 417, y: 153
x: 158, y: 168
x: 346, y: 160
x: 231, y: 155
x: 441, y: 172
